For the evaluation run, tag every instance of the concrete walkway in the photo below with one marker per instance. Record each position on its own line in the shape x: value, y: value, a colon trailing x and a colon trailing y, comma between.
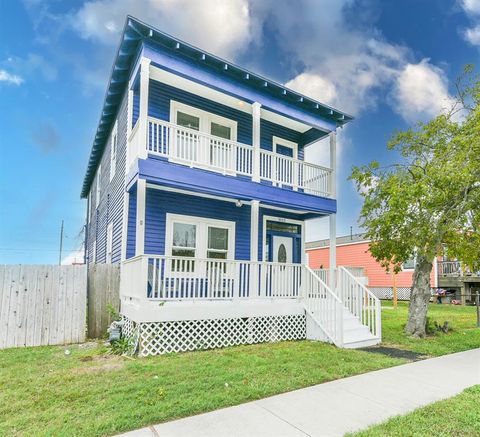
x: 334, y: 408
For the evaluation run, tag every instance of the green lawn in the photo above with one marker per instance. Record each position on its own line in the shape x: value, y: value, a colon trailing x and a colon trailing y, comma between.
x: 457, y: 416
x: 45, y: 392
x: 463, y: 336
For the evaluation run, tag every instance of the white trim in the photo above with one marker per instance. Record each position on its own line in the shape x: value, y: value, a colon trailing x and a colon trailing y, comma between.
x: 98, y: 191
x: 254, y: 218
x: 180, y: 82
x: 256, y: 140
x: 333, y: 163
x: 126, y: 204
x: 195, y: 194
x: 286, y: 143
x: 205, y: 118
x: 140, y: 226
x: 339, y: 245
x: 94, y: 252
x: 113, y: 150
x: 282, y: 220
x: 109, y: 244
x: 201, y: 233
x: 332, y: 254
x: 143, y: 106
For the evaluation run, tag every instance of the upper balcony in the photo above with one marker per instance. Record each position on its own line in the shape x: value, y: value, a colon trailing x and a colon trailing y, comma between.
x: 195, y: 149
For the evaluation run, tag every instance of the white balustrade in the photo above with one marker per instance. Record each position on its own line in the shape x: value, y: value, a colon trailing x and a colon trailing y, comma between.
x: 359, y: 300
x: 198, y: 149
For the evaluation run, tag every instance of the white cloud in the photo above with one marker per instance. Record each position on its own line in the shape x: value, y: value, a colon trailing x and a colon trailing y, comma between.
x: 472, y: 10
x: 472, y: 35
x: 471, y: 6
x: 222, y: 27
x: 313, y: 85
x: 75, y: 257
x: 421, y: 92
x: 10, y: 78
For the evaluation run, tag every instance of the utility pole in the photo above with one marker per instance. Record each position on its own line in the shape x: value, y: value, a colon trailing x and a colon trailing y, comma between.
x: 61, y: 245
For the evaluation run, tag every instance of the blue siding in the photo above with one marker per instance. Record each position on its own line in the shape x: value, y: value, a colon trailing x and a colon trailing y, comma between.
x: 110, y: 208
x: 160, y: 202
x: 268, y: 130
x: 160, y: 96
x: 132, y: 223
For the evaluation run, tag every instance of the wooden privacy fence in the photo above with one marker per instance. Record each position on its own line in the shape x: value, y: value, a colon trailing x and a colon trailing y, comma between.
x: 103, y: 291
x: 42, y: 305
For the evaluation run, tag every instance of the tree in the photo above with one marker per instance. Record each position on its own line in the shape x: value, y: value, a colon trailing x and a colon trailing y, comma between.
x: 429, y: 199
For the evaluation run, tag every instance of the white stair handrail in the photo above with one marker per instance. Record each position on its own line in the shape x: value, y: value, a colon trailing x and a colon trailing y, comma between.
x: 324, y: 306
x: 360, y: 301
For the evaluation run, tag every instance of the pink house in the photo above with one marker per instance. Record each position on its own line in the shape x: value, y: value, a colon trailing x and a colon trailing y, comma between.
x: 353, y: 251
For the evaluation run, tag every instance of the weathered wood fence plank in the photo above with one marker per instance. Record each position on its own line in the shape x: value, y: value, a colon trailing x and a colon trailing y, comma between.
x: 42, y: 305
x: 103, y: 291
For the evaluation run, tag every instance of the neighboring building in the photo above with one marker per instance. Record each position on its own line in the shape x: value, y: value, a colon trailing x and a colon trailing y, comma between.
x: 197, y: 184
x: 463, y: 283
x: 353, y: 251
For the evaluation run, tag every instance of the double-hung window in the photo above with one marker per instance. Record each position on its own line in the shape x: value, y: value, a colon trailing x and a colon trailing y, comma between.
x: 198, y: 238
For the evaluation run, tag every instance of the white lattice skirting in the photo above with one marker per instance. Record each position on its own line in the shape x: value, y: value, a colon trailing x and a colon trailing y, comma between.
x: 156, y: 338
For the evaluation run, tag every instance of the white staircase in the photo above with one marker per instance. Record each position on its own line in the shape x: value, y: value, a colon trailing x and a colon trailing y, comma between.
x: 350, y: 317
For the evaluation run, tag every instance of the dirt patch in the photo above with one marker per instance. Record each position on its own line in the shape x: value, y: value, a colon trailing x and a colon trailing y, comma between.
x: 395, y: 353
x: 103, y: 363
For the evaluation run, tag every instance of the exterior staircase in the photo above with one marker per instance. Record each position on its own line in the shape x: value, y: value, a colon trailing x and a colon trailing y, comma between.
x: 350, y: 317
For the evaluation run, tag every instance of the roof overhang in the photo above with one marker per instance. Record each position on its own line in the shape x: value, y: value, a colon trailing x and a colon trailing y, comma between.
x: 136, y: 34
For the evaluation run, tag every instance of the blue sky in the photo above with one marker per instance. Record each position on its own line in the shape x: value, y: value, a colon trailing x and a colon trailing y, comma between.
x: 389, y: 63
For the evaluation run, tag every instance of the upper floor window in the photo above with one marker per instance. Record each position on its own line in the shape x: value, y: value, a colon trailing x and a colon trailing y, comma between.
x: 98, y: 192
x: 285, y: 147
x: 113, y: 150
x: 203, y: 121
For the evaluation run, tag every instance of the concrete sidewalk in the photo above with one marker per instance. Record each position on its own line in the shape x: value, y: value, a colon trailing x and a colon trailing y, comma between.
x: 334, y: 408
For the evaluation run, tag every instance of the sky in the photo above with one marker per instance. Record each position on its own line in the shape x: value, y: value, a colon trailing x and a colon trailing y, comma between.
x: 390, y: 64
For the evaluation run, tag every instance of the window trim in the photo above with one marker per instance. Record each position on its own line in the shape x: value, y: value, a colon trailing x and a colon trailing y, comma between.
x: 113, y: 156
x: 286, y: 143
x: 201, y: 234
x: 206, y: 118
x: 98, y: 187
x: 109, y: 244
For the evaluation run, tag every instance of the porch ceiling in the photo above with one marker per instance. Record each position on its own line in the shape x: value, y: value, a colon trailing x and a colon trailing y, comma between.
x: 196, y: 181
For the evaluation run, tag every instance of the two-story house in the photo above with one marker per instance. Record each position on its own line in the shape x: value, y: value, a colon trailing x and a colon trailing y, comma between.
x: 197, y: 184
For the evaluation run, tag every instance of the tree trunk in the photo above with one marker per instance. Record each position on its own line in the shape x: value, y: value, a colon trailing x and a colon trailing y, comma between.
x: 417, y: 310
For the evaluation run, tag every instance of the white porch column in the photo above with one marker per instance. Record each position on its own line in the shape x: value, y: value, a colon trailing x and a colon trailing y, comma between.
x: 255, y: 270
x: 143, y: 108
x: 333, y: 217
x: 256, y: 111
x: 254, y: 217
x: 140, y: 227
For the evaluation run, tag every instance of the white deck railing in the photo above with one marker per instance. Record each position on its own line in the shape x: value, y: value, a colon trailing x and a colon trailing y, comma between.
x: 359, y: 300
x: 198, y: 149
x: 181, y: 278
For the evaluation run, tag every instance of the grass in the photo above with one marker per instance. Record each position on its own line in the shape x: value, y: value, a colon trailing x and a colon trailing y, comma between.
x: 457, y: 416
x: 46, y: 392
x: 463, y: 335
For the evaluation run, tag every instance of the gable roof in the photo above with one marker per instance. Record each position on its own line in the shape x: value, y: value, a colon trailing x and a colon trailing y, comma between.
x: 133, y: 34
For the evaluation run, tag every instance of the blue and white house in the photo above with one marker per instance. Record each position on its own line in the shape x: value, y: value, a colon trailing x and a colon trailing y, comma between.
x: 197, y: 184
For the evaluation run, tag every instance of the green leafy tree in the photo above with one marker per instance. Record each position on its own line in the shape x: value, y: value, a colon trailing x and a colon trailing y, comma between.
x: 429, y: 199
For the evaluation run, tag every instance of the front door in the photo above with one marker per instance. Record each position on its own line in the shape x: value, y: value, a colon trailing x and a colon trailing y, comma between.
x: 282, y: 250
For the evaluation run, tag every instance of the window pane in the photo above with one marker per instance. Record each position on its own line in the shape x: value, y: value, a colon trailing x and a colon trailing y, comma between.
x: 283, y: 227
x: 183, y: 252
x: 216, y: 255
x: 184, y: 235
x: 409, y: 264
x: 187, y: 120
x: 217, y: 238
x: 220, y: 131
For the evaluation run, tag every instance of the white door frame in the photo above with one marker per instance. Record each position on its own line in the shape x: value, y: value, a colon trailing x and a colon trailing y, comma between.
x: 283, y: 220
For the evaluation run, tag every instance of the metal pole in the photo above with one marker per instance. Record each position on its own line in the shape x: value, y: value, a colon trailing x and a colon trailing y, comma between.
x: 61, y: 245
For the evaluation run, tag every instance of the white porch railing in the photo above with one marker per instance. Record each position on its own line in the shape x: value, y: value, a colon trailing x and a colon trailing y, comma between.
x: 324, y: 306
x: 360, y: 301
x: 182, y: 278
x: 198, y: 149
